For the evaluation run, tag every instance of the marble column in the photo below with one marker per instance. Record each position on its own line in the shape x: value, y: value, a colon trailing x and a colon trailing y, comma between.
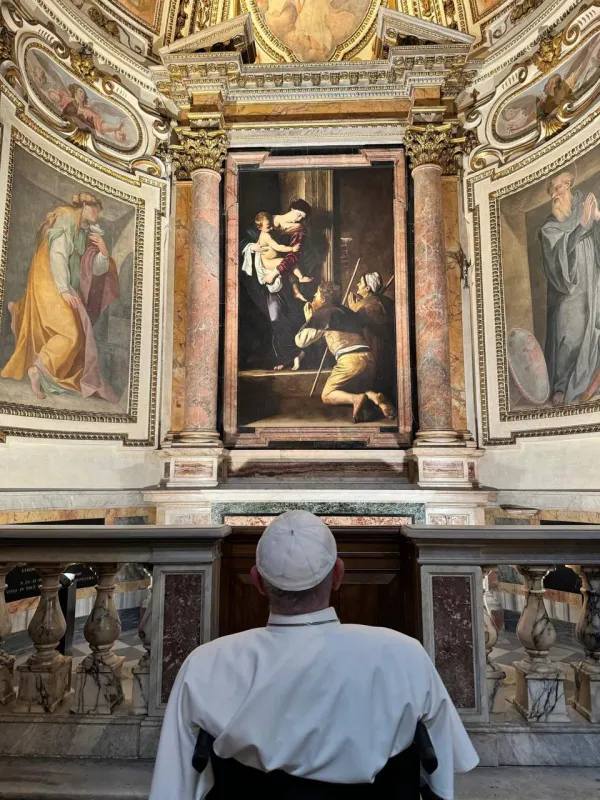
x: 199, y: 157
x: 141, y: 672
x: 99, y: 689
x: 441, y: 456
x: 540, y: 689
x: 7, y: 663
x: 494, y: 674
x: 45, y: 678
x: 427, y: 148
x: 587, y: 672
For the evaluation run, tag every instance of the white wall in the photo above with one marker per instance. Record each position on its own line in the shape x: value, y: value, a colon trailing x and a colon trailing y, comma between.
x: 52, y: 464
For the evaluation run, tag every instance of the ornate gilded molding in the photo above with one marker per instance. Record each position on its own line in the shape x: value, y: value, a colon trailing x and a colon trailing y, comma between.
x: 7, y: 41
x: 548, y: 54
x: 521, y: 10
x: 199, y: 149
x: 428, y: 144
x: 83, y: 65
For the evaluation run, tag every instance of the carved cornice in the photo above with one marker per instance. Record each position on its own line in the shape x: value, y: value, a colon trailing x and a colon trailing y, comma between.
x: 199, y: 149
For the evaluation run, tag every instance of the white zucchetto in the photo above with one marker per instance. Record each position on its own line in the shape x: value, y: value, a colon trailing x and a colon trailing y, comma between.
x: 296, y: 552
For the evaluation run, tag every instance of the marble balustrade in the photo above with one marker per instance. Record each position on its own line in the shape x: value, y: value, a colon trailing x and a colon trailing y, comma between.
x: 455, y: 565
x: 458, y: 626
x: 46, y: 682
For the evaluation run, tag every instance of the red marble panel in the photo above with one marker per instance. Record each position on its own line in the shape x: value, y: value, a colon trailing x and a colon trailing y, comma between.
x: 182, y: 624
x: 453, y: 636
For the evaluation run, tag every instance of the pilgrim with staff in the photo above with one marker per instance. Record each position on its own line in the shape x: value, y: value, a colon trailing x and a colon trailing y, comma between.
x: 353, y: 379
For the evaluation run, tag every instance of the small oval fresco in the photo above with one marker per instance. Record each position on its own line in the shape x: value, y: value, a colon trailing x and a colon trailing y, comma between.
x: 542, y: 100
x: 72, y: 100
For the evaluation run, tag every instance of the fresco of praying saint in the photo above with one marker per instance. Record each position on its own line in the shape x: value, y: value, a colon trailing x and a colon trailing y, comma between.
x: 71, y: 280
x: 570, y: 242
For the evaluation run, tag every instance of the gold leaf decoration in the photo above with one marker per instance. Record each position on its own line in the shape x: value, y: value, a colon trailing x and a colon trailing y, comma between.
x: 548, y: 53
x: 82, y: 62
x: 199, y: 149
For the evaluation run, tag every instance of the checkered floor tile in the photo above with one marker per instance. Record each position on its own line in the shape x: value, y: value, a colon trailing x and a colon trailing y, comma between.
x: 127, y: 645
x: 508, y: 649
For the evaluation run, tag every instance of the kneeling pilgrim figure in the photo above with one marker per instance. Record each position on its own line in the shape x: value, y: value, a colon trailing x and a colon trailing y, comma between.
x: 307, y: 707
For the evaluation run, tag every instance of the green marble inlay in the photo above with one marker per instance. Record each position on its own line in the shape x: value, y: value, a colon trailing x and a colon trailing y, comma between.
x: 414, y: 510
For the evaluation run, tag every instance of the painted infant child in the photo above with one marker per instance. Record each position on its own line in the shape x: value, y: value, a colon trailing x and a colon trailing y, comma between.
x: 270, y: 250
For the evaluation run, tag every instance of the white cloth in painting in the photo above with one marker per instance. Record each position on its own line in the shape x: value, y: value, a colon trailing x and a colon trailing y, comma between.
x: 62, y: 247
x: 250, y: 256
x: 327, y: 701
x: 571, y: 262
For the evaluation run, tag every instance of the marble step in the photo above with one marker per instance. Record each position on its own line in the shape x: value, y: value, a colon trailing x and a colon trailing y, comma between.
x: 74, y: 779
x: 112, y: 779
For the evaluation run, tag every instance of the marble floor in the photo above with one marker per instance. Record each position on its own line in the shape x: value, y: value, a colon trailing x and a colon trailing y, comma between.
x: 127, y: 645
x: 69, y: 779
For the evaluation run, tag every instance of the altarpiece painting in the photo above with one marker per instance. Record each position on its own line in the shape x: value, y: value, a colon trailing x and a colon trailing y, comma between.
x: 316, y: 312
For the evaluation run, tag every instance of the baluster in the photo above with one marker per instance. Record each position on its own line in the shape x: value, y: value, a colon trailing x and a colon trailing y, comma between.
x: 141, y: 672
x: 587, y: 672
x: 45, y: 678
x: 7, y: 663
x: 99, y: 689
x: 494, y: 673
x: 540, y: 691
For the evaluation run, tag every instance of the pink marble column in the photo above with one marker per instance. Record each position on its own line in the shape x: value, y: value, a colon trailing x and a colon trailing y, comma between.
x: 202, y: 335
x: 199, y: 157
x: 427, y: 148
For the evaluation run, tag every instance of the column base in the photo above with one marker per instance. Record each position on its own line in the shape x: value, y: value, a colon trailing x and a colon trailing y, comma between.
x: 7, y: 689
x: 540, y: 692
x: 192, y: 466
x: 43, y: 687
x: 495, y: 680
x: 141, y: 688
x: 99, y: 689
x: 435, y: 466
x: 587, y: 690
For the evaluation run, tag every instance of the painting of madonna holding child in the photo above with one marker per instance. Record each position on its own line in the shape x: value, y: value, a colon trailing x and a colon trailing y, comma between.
x: 273, y: 253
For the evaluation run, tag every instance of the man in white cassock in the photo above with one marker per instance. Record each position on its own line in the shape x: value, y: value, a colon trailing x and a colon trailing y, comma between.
x: 306, y: 707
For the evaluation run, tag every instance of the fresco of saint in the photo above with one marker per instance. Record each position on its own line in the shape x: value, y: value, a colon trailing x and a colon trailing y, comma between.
x: 106, y: 122
x: 71, y: 280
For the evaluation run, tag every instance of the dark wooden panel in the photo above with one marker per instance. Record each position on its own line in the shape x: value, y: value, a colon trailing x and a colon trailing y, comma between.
x: 380, y: 586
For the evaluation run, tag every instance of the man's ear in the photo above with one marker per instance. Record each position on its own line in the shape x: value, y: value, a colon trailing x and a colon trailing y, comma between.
x: 338, y: 574
x: 257, y: 580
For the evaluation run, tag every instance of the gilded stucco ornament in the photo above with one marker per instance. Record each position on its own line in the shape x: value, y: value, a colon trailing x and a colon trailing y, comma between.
x: 199, y: 149
x: 83, y: 65
x: 549, y: 52
x: 428, y: 144
x: 7, y: 40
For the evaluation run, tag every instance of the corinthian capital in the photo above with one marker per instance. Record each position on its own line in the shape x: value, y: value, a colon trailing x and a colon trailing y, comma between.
x: 199, y: 149
x: 428, y: 144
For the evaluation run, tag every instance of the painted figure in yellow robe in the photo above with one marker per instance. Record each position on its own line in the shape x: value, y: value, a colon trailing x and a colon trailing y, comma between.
x: 71, y: 281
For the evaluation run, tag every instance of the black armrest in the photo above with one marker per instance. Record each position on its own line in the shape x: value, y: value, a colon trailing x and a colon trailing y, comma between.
x: 425, y: 749
x: 202, y: 751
